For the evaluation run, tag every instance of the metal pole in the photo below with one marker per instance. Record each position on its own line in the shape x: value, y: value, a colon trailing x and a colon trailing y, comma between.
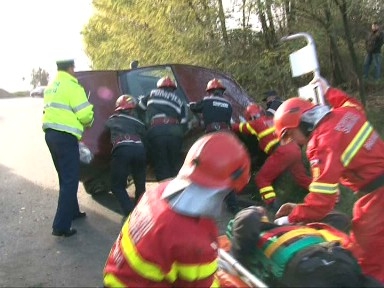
x: 251, y: 279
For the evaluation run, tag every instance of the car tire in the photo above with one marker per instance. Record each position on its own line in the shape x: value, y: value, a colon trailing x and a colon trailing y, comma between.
x: 97, y: 186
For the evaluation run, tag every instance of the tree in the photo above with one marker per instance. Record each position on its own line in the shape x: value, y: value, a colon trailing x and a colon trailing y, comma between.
x: 39, y: 77
x: 197, y: 32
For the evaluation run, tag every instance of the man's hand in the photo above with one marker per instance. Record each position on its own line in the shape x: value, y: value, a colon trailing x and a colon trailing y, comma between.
x: 285, y: 210
x: 322, y: 83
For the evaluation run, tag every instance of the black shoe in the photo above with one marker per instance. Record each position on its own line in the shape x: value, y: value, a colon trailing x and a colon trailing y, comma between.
x: 79, y: 215
x: 67, y: 233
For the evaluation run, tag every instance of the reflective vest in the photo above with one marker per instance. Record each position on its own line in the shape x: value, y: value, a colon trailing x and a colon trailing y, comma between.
x: 66, y: 107
x: 160, y: 248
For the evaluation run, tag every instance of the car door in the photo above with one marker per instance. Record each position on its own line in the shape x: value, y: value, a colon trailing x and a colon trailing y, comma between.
x: 102, y: 89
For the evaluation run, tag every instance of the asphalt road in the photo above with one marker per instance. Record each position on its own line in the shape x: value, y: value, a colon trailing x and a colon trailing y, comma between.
x: 29, y: 255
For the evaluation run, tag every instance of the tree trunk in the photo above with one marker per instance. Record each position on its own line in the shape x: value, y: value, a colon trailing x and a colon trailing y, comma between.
x: 222, y: 23
x: 263, y: 22
x: 271, y: 27
x: 336, y: 62
x: 343, y: 6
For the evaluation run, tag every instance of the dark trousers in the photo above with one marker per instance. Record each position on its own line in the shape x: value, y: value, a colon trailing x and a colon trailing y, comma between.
x: 128, y: 160
x: 64, y: 149
x: 165, y: 152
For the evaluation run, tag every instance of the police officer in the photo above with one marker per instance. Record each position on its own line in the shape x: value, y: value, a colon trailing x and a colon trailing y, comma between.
x: 66, y: 113
x: 128, y: 152
x: 217, y: 114
x: 165, y: 111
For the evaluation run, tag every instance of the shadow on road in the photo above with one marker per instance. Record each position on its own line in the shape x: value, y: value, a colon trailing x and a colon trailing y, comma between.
x: 31, y: 257
x: 107, y: 200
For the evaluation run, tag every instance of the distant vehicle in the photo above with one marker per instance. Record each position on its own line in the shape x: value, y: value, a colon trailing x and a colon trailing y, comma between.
x: 38, y: 91
x: 104, y: 87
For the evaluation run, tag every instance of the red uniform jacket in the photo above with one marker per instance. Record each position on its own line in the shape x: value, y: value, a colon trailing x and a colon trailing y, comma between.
x: 285, y: 157
x: 263, y: 129
x: 160, y: 248
x: 344, y: 148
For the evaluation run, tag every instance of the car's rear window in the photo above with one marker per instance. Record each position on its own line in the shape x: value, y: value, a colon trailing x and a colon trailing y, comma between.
x: 141, y: 81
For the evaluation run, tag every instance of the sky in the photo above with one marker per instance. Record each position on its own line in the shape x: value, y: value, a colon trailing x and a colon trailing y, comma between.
x: 36, y: 33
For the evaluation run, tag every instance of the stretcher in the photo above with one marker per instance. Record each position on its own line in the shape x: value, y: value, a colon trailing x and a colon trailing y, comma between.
x: 231, y: 273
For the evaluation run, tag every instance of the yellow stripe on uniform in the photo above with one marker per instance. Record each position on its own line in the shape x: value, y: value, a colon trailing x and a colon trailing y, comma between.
x: 215, y: 283
x: 324, y: 188
x: 270, y: 145
x: 196, y: 272
x: 266, y: 132
x: 154, y: 272
x: 111, y: 280
x: 287, y: 237
x: 356, y: 144
x: 250, y: 129
x: 267, y: 192
x: 266, y: 189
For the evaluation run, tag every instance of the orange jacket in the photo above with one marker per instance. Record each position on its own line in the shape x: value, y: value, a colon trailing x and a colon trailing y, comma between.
x: 344, y: 148
x: 160, y: 248
x: 284, y: 158
x: 263, y: 129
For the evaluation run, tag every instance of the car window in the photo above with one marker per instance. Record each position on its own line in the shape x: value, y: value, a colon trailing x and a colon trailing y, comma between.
x: 141, y: 81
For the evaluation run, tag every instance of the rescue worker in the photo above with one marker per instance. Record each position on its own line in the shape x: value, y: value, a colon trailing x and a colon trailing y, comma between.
x: 217, y: 113
x: 283, y: 156
x: 342, y: 147
x: 309, y: 255
x: 272, y: 102
x: 128, y: 152
x: 170, y: 238
x: 166, y: 112
x: 66, y: 113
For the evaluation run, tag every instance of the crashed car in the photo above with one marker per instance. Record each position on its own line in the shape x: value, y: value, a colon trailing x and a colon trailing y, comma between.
x: 104, y: 87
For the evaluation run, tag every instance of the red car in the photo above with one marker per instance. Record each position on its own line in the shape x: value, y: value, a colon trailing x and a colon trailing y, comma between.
x: 104, y: 87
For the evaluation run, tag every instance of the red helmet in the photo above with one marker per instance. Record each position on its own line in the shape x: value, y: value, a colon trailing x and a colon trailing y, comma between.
x: 289, y: 113
x: 209, y: 164
x: 125, y: 102
x: 254, y: 111
x: 166, y: 82
x: 214, y: 84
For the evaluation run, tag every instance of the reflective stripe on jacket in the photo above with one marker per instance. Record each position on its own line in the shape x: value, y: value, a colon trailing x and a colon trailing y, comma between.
x: 263, y: 129
x: 160, y: 248
x: 66, y: 107
x: 344, y: 148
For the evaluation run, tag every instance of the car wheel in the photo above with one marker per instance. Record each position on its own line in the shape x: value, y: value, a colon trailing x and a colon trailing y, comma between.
x: 97, y: 186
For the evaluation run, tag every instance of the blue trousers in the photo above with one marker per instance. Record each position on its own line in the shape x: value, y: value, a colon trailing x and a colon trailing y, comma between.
x: 64, y: 150
x: 128, y: 160
x: 164, y: 145
x: 374, y: 58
